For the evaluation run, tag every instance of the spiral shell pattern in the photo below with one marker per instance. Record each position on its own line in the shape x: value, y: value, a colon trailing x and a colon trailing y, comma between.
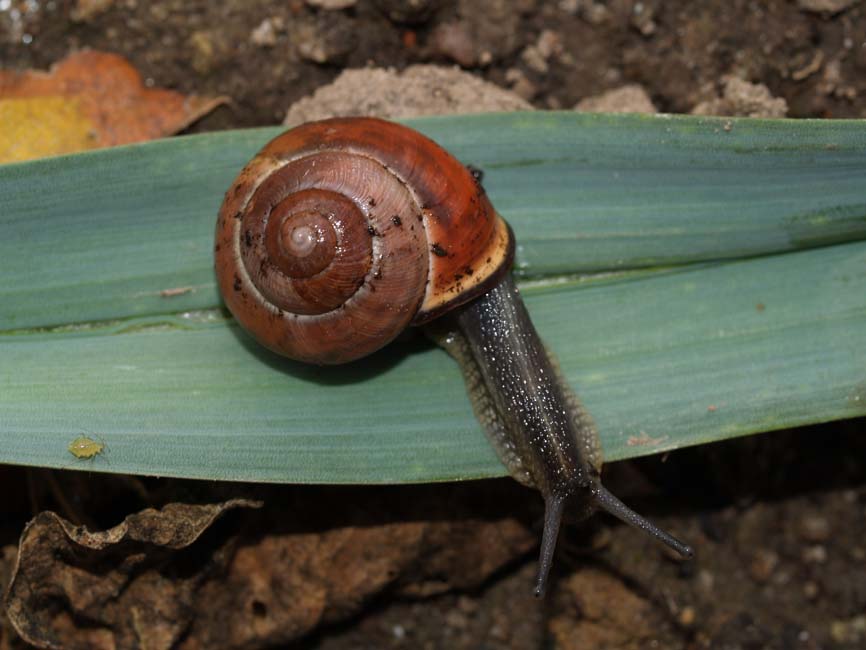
x: 340, y: 233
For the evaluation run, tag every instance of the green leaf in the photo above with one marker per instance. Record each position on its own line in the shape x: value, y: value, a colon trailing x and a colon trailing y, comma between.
x: 737, y: 302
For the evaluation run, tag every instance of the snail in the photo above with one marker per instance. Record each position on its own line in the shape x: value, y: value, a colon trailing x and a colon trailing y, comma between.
x: 341, y: 233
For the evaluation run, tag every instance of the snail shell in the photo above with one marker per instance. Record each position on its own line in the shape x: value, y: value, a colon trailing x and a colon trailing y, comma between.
x: 353, y: 225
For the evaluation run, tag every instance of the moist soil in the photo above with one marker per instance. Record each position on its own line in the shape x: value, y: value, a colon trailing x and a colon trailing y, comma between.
x: 779, y: 520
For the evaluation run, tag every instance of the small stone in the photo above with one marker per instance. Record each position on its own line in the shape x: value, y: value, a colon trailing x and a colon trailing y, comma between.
x: 814, y: 528
x: 631, y: 98
x: 826, y: 6
x: 160, y: 12
x: 549, y: 43
x: 533, y: 59
x: 687, y: 616
x: 456, y: 619
x: 331, y: 5
x: 642, y: 19
x: 328, y: 40
x: 741, y: 98
x: 265, y: 35
x: 493, y: 27
x: 815, y: 554
x: 706, y: 581
x: 764, y: 562
x: 453, y: 41
x: 520, y: 84
x: 499, y: 632
x: 782, y: 578
x: 595, y: 13
x: 811, y: 590
x: 467, y: 605
x: 203, y: 51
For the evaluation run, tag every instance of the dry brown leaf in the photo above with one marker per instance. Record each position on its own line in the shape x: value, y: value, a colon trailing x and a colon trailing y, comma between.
x: 311, y: 556
x: 120, y: 588
x: 88, y: 100
x: 8, y: 638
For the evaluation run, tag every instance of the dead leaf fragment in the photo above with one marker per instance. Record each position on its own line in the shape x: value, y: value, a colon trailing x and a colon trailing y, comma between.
x: 170, y: 579
x: 88, y: 100
x: 71, y: 587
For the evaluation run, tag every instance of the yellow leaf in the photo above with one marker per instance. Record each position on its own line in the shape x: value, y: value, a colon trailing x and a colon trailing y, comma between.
x: 43, y: 126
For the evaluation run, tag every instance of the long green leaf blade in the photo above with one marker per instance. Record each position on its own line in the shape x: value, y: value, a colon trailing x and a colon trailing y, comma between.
x: 90, y: 343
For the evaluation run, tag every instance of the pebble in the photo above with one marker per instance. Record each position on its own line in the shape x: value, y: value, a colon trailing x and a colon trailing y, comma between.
x: 549, y: 43
x: 826, y: 6
x: 85, y: 10
x: 687, y: 616
x: 521, y: 84
x: 536, y: 56
x: 814, y: 528
x: 457, y: 620
x: 203, y: 51
x: 534, y: 60
x: 642, y: 19
x: 328, y: 40
x: 265, y: 35
x: 453, y: 41
x: 815, y: 554
x: 706, y: 581
x: 331, y: 5
x: 764, y: 562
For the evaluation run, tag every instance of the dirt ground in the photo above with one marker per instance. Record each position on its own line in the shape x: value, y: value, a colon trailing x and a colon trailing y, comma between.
x: 266, y: 55
x: 779, y: 520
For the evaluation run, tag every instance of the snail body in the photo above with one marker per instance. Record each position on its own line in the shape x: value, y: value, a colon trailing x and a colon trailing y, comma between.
x: 341, y: 233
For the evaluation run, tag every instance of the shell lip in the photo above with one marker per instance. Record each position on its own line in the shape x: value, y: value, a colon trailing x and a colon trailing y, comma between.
x: 427, y: 314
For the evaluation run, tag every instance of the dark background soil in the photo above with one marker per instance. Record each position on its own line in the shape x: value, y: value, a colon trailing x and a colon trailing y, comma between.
x: 779, y: 520
x: 678, y: 50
